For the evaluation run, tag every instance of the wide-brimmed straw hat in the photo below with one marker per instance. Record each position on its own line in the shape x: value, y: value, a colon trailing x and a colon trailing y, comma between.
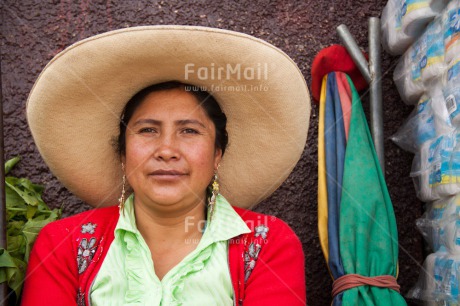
x: 75, y: 105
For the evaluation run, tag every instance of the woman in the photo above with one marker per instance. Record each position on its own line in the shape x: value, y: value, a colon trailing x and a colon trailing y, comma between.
x: 175, y: 239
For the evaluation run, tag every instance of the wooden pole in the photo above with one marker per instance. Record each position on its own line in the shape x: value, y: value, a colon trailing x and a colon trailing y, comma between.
x: 3, y: 242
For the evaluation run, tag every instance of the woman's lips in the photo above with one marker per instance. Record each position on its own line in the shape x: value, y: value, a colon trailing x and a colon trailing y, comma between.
x: 167, y: 174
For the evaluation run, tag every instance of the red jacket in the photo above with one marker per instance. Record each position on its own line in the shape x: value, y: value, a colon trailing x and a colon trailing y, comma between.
x: 266, y: 265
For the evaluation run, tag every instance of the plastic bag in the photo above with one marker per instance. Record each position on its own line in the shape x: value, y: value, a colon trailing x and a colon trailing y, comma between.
x: 451, y: 24
x: 448, y: 183
x: 439, y: 280
x: 436, y: 168
x: 421, y: 65
x: 403, y: 21
x: 394, y: 40
x: 419, y: 13
x: 440, y: 223
x: 428, y: 120
x: 451, y: 92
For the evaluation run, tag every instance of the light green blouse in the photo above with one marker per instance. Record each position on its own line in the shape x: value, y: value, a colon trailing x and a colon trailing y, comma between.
x: 127, y: 275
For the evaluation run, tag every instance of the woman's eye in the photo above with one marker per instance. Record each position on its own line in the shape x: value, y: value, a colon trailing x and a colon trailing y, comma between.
x: 190, y: 131
x: 147, y: 130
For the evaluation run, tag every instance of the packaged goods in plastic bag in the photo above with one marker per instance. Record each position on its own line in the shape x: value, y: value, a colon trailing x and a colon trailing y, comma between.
x: 418, y: 13
x: 447, y: 181
x: 451, y: 92
x: 432, y: 63
x: 440, y: 225
x: 451, y: 24
x: 422, y: 63
x: 450, y: 235
x: 445, y: 176
x: 446, y: 271
x: 436, y: 168
x: 428, y: 120
x: 403, y: 21
x: 430, y: 223
x: 422, y: 170
x: 439, y: 280
x: 394, y: 40
x: 418, y: 128
x: 443, y: 123
x: 408, y: 77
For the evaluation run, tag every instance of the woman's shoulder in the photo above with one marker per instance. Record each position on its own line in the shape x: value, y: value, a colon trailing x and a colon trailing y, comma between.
x: 262, y: 224
x: 85, y: 222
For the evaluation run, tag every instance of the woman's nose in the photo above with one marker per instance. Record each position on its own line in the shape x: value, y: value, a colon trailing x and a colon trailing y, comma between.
x: 167, y: 147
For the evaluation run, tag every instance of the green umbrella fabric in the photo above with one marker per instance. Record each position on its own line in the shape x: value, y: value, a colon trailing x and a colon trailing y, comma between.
x: 368, y: 233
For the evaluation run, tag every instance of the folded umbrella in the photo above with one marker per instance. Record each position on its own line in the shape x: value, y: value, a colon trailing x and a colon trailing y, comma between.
x: 368, y: 232
x: 335, y: 143
x: 356, y: 221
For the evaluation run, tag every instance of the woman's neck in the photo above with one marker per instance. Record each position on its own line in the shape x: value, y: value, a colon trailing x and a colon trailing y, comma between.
x: 170, y: 237
x: 158, y: 226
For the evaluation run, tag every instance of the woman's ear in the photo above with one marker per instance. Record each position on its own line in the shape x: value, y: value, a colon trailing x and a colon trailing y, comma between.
x: 217, y: 158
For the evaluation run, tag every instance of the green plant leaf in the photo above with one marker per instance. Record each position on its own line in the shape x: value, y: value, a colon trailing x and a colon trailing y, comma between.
x: 14, y: 227
x: 13, y: 199
x: 17, y: 246
x: 31, y: 210
x: 32, y: 228
x: 26, y: 214
x: 25, y: 189
x: 12, y: 270
x: 10, y: 163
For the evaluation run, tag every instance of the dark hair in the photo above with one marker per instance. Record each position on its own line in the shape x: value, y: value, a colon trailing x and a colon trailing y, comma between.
x: 205, y: 100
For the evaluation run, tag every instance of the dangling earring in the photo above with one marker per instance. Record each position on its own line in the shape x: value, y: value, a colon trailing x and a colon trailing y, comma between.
x: 121, y: 200
x: 215, y: 192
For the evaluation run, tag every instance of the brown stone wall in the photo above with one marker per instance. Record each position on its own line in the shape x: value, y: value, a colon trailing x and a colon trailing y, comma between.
x: 32, y: 32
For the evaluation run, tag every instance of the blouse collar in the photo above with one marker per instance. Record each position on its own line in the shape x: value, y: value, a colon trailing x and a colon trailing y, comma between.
x: 225, y: 223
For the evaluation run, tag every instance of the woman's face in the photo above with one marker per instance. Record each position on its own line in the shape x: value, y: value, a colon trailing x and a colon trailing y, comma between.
x: 170, y: 151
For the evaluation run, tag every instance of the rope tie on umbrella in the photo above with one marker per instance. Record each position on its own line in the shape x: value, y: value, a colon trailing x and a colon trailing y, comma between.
x: 349, y: 281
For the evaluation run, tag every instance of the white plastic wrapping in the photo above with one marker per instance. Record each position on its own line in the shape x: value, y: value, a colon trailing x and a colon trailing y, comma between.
x: 418, y: 128
x: 407, y: 76
x: 432, y: 64
x: 446, y: 181
x: 451, y: 23
x: 419, y: 13
x: 422, y: 170
x: 404, y: 20
x: 450, y: 237
x: 428, y: 120
x: 436, y: 168
x: 440, y: 225
x: 439, y: 280
x: 394, y: 40
x: 428, y: 76
x: 451, y: 92
x: 421, y: 64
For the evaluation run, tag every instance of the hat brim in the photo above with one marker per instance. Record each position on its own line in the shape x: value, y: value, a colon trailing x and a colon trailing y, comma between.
x: 74, y: 107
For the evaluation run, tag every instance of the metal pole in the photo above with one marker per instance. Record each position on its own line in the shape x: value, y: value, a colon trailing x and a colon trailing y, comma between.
x: 354, y: 51
x: 4, y: 285
x: 376, y: 117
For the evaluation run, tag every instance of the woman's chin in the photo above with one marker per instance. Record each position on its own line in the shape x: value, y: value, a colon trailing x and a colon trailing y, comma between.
x: 171, y: 198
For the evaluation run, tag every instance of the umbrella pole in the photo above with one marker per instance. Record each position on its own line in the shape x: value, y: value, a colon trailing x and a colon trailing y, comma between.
x: 376, y: 89
x: 354, y: 51
x: 372, y: 74
x: 3, y: 242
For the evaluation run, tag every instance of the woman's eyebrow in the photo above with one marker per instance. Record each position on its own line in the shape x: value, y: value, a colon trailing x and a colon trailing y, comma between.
x: 177, y: 122
x: 147, y: 121
x: 189, y: 121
